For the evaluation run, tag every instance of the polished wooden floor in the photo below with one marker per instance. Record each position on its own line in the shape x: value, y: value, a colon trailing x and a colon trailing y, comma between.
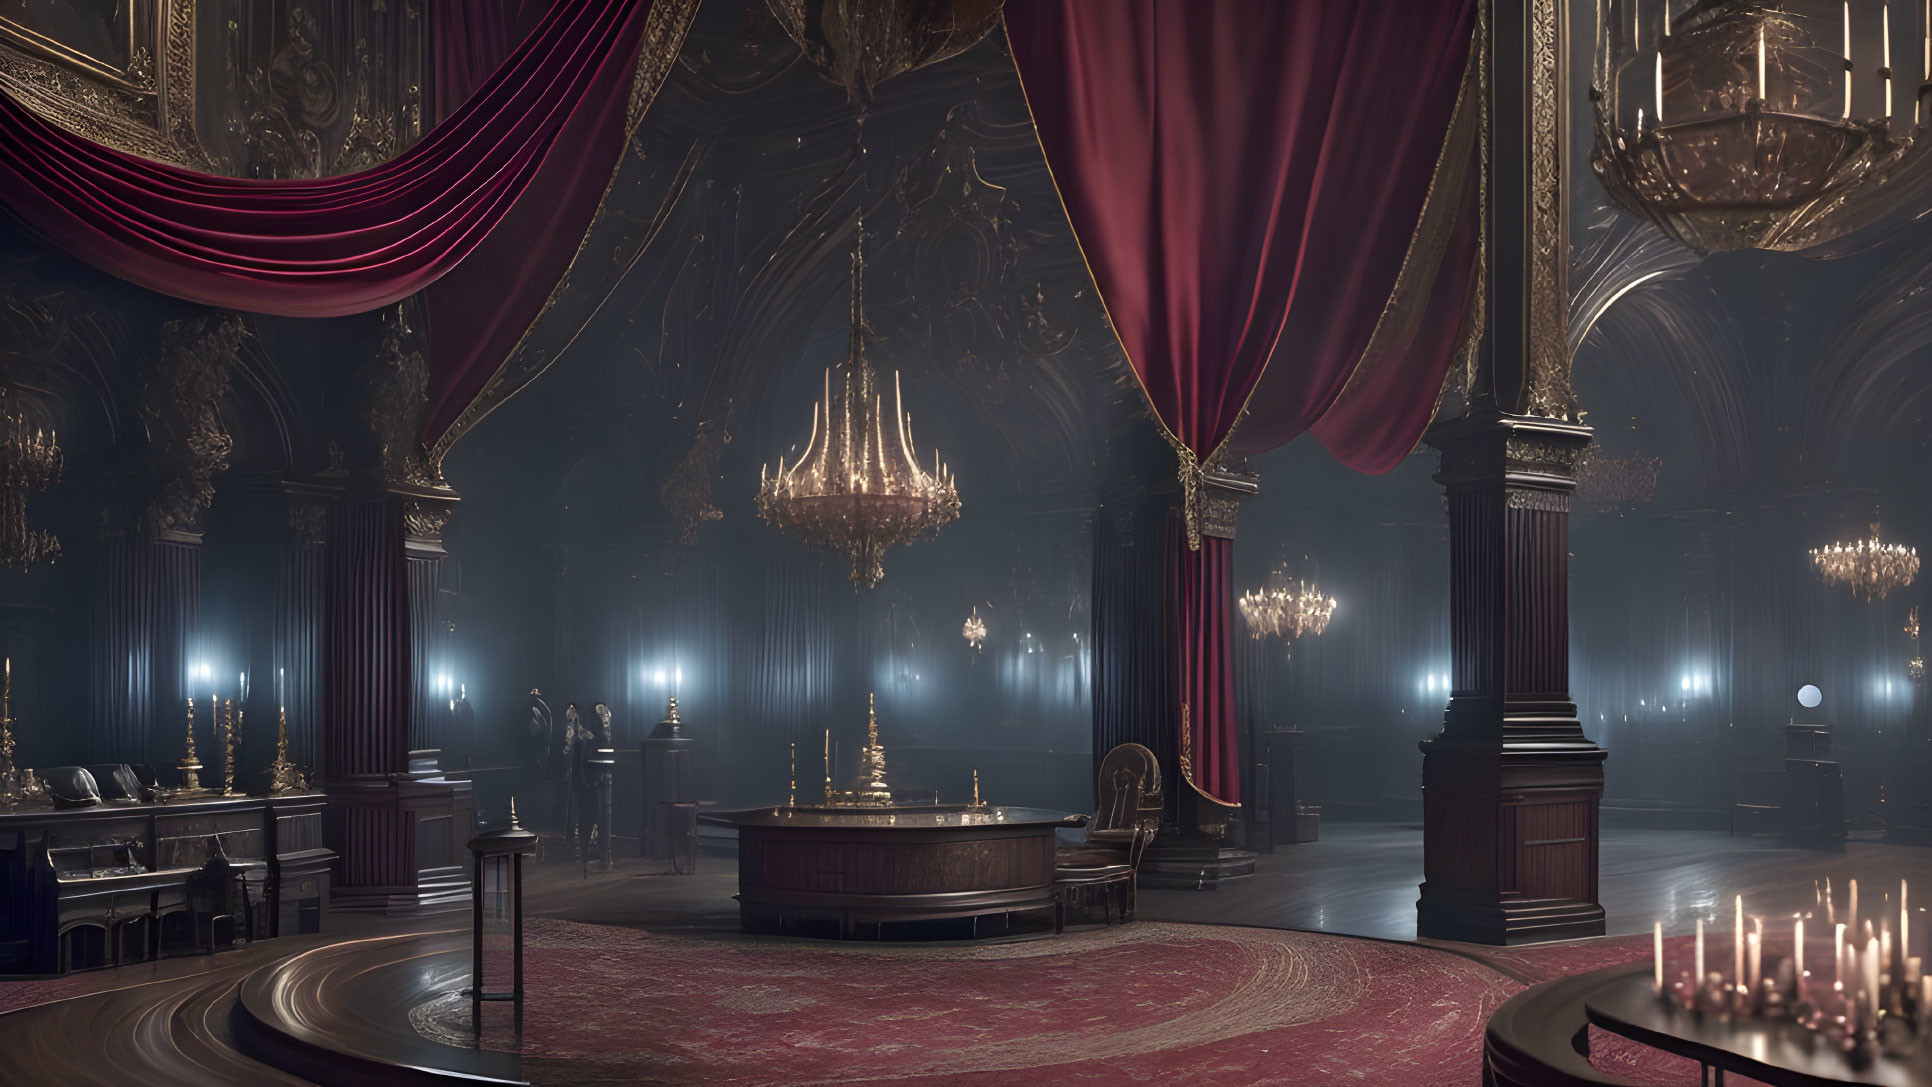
x: 169, y: 1023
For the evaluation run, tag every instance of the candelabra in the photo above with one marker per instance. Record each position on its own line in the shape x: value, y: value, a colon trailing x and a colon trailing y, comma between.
x: 190, y: 764
x: 230, y: 742
x: 284, y: 776
x: 17, y: 785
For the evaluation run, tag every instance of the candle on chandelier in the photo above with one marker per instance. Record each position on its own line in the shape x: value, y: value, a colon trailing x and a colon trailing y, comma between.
x: 1760, y: 62
x: 1657, y: 954
x: 1885, y: 72
x: 1798, y: 957
x: 1754, y: 962
x: 1838, y: 958
x: 1851, y: 910
x: 1871, y: 981
x: 1848, y: 61
x: 1697, y: 977
x: 1904, y: 920
x: 1737, y: 943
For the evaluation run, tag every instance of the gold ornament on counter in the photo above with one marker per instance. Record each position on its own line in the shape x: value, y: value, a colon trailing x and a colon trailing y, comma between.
x: 858, y: 489
x: 871, y: 790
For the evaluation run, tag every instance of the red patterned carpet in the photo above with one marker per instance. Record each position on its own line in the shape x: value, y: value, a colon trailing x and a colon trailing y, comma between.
x: 1139, y: 1003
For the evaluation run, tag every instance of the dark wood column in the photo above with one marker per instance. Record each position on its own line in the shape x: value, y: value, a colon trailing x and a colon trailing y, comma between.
x: 1511, y: 786
x: 398, y: 825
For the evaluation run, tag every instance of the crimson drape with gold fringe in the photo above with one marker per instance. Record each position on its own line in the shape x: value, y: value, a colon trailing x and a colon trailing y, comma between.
x: 1276, y: 201
x: 484, y: 213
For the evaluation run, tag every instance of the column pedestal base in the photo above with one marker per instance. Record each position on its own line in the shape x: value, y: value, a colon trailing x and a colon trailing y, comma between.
x: 1180, y: 862
x: 401, y: 842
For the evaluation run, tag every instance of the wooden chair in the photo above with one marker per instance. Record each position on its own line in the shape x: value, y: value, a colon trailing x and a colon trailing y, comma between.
x: 1104, y: 869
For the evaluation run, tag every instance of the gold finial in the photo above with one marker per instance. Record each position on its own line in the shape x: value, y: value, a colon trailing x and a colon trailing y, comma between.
x: 671, y: 709
x: 791, y: 795
x: 513, y: 811
x: 976, y: 788
x: 872, y: 718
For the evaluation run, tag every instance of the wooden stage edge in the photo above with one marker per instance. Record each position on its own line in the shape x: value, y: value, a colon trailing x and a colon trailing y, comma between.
x: 338, y: 1015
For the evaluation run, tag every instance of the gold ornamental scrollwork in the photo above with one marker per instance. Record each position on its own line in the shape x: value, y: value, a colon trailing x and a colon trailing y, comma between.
x: 1548, y: 387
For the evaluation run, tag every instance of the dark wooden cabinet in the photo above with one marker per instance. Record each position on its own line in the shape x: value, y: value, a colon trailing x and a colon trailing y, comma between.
x: 122, y: 883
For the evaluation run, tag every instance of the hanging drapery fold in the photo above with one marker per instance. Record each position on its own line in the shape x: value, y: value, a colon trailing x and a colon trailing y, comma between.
x: 1276, y: 207
x: 485, y: 212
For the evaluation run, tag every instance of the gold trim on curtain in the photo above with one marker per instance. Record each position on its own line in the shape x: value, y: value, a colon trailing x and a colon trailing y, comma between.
x: 1459, y: 168
x: 664, y: 31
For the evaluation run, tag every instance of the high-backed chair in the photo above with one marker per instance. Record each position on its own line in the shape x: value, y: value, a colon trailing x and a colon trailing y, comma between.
x: 1105, y: 867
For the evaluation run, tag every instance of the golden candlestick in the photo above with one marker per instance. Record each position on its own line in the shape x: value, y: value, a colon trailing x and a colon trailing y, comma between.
x: 230, y: 739
x: 284, y: 776
x: 16, y: 785
x: 791, y: 792
x: 190, y: 764
x: 977, y: 802
x: 828, y: 766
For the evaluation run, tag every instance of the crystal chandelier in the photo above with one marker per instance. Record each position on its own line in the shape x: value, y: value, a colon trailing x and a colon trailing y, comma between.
x: 857, y: 488
x: 1279, y: 610
x: 30, y: 460
x: 1870, y: 566
x: 1730, y: 125
x: 975, y: 629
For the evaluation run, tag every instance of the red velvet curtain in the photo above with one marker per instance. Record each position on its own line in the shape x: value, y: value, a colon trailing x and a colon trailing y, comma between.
x: 1245, y: 178
x: 486, y: 211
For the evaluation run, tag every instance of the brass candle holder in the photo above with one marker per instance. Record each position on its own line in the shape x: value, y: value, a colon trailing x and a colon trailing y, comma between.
x: 190, y: 764
x: 284, y: 777
x: 17, y: 786
x: 230, y: 742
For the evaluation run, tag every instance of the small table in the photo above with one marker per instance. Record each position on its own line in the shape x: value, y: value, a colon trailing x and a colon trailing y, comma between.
x: 1773, y: 1052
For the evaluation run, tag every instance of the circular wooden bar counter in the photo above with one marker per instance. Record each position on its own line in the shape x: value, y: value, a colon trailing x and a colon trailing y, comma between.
x: 873, y: 866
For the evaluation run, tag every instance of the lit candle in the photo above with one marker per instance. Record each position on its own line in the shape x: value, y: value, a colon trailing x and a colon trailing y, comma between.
x: 1838, y: 957
x: 1848, y: 60
x: 1851, y: 910
x: 1659, y: 103
x: 1871, y: 980
x: 1798, y: 956
x: 1831, y: 908
x: 1697, y: 977
x: 1657, y: 954
x: 1760, y: 62
x: 1737, y: 943
x: 1754, y: 963
x: 1885, y: 73
x: 1904, y: 920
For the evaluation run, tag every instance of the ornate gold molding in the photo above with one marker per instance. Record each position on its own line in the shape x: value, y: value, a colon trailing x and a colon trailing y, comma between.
x: 145, y: 109
x: 663, y: 38
x: 1548, y: 294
